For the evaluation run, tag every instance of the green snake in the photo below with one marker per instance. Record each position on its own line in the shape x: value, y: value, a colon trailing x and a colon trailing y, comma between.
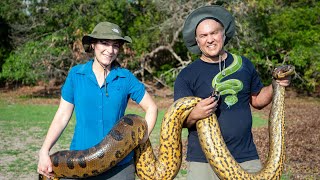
x: 230, y: 86
x: 126, y: 136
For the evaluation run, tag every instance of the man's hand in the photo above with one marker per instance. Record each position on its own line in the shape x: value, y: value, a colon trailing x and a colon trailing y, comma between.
x: 205, y: 108
x: 285, y: 82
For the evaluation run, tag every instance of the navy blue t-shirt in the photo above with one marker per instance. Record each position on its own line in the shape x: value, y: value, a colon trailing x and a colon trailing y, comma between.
x: 235, y: 121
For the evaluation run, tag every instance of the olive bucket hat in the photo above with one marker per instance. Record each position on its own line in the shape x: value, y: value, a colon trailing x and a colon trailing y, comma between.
x: 215, y: 12
x: 104, y: 30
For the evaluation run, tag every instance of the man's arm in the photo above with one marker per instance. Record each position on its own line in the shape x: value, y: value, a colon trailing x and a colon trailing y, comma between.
x: 264, y: 97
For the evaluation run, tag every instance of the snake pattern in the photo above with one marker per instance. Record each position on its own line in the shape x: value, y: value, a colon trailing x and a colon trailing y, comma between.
x: 127, y: 133
x: 221, y: 160
x: 98, y: 159
x: 167, y: 165
x: 230, y: 86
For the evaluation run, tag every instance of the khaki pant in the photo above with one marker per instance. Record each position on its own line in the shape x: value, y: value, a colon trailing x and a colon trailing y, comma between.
x: 203, y: 171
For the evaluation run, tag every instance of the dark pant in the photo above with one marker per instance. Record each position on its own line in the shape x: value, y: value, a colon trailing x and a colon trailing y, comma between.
x: 120, y: 172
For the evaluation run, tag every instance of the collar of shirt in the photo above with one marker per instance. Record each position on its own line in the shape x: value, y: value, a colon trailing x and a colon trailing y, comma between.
x: 87, y: 70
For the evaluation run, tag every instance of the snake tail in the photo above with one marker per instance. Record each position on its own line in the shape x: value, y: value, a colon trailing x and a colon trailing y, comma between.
x: 166, y: 166
x: 127, y: 134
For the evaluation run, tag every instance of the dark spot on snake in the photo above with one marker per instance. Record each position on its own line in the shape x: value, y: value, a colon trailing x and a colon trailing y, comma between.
x: 85, y: 152
x: 85, y: 175
x: 112, y: 163
x: 118, y: 154
x: 75, y: 176
x: 73, y: 153
x: 82, y: 162
x: 128, y: 121
x: 95, y: 172
x: 63, y: 153
x: 115, y: 134
x: 133, y: 135
x: 70, y: 163
x: 55, y: 161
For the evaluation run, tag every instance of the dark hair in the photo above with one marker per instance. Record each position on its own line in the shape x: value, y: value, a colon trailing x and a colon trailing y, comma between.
x: 115, y: 64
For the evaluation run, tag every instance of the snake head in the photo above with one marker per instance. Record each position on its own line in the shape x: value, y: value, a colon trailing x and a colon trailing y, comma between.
x: 216, y: 95
x: 283, y: 71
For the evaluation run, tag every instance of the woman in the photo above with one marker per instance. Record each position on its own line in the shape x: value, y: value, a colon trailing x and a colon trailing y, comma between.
x: 98, y: 91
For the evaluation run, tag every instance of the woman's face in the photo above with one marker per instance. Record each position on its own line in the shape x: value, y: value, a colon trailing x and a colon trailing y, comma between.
x: 106, y: 51
x: 210, y: 38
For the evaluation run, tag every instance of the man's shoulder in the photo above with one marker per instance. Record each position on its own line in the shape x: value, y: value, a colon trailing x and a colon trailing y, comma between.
x: 192, y: 65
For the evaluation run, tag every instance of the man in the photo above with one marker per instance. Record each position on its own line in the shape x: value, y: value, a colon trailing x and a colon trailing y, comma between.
x: 206, y: 31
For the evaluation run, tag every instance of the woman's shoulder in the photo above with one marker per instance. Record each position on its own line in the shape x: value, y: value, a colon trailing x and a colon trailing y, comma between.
x: 81, y: 67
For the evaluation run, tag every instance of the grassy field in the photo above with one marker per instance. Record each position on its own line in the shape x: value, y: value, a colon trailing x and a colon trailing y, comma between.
x: 23, y: 128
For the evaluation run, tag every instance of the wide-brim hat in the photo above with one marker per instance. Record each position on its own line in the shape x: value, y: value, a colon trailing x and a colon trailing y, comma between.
x: 218, y: 13
x: 104, y: 30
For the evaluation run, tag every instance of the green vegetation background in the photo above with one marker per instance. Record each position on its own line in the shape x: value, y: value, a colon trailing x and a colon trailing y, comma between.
x: 41, y: 40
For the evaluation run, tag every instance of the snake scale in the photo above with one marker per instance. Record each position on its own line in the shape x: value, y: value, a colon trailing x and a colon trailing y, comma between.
x: 127, y: 133
x: 220, y: 158
x: 166, y: 166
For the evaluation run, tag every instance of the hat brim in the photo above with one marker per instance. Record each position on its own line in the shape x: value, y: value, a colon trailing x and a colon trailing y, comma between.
x: 87, y: 39
x: 214, y: 12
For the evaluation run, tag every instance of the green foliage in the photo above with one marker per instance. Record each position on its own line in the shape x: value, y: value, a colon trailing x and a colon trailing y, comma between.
x: 45, y: 35
x: 5, y: 46
x: 48, y: 51
x: 295, y: 33
x: 35, y: 60
x: 282, y: 33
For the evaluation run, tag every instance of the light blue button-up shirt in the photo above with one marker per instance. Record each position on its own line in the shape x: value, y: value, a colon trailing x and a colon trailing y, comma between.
x: 97, y: 112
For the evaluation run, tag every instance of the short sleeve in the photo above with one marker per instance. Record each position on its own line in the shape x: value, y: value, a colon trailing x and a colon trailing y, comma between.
x: 67, y: 90
x: 136, y: 88
x: 181, y: 87
x: 256, y: 84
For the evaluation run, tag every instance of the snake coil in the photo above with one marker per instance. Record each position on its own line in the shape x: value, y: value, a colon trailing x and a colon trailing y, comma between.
x: 166, y: 166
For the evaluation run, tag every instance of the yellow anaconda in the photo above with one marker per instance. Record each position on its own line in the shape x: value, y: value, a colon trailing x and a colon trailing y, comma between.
x: 219, y: 157
x: 85, y: 163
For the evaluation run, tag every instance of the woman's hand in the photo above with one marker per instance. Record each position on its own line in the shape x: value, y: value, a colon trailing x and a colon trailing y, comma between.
x: 44, y: 164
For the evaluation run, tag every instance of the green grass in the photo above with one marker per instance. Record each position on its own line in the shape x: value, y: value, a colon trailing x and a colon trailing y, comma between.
x: 23, y: 128
x: 258, y: 121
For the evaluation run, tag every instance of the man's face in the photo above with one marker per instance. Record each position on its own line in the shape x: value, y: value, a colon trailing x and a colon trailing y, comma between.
x: 106, y: 51
x: 210, y: 38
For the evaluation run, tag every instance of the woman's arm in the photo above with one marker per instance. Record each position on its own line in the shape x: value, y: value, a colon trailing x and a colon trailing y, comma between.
x: 57, y: 126
x: 151, y: 109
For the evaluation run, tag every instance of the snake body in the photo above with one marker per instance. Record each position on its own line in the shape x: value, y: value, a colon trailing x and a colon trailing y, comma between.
x: 212, y: 143
x: 219, y: 156
x: 127, y: 134
x: 167, y: 164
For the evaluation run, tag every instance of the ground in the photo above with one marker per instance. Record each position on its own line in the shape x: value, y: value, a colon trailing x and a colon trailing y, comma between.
x: 302, y: 127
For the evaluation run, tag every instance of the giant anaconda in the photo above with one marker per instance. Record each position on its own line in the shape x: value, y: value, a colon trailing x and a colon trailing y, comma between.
x: 166, y: 166
x: 127, y: 134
